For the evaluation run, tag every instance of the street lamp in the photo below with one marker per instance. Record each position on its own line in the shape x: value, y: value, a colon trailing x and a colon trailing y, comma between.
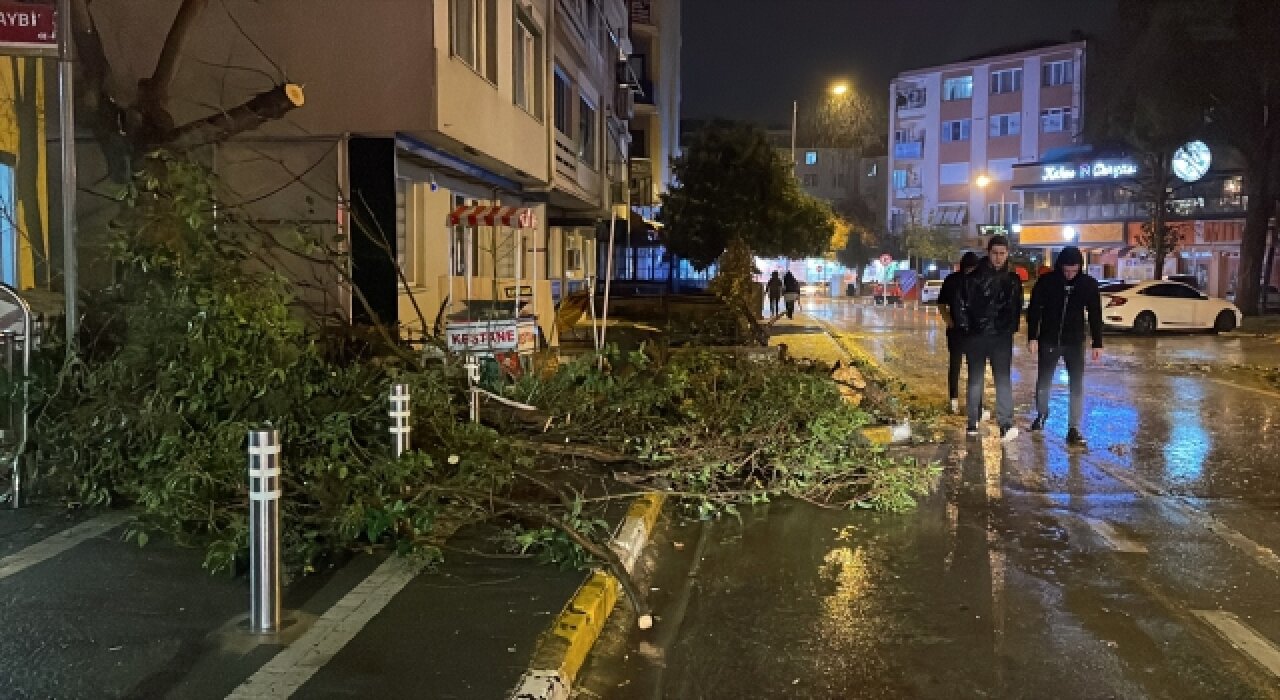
x: 837, y: 90
x: 982, y: 181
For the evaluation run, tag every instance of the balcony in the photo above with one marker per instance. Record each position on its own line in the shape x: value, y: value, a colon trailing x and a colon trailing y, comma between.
x: 909, y: 149
x: 645, y: 94
x: 907, y: 192
x: 911, y: 101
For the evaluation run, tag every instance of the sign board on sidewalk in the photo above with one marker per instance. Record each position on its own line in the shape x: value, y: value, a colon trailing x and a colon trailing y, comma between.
x: 28, y: 29
x: 487, y: 337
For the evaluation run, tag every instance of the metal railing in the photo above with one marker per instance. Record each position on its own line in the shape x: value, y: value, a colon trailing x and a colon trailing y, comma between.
x: 17, y: 339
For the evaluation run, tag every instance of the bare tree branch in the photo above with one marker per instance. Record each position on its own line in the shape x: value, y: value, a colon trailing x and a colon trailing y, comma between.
x: 153, y: 93
x: 261, y: 108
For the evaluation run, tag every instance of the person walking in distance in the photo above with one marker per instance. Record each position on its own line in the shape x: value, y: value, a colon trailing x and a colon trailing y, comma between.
x: 1056, y: 331
x: 790, y: 292
x: 987, y: 312
x: 955, y: 342
x: 774, y: 289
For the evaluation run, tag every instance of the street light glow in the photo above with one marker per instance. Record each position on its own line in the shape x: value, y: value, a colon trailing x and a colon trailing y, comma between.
x: 1069, y: 232
x: 982, y: 181
x: 839, y: 89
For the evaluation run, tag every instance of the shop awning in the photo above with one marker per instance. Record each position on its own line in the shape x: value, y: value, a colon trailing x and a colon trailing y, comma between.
x: 493, y: 215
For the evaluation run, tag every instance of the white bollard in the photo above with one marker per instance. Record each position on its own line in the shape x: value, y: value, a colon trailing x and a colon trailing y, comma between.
x: 264, y: 531
x: 399, y: 419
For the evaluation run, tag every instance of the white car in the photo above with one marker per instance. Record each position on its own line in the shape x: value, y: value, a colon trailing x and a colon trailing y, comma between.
x: 1146, y: 307
x: 929, y: 292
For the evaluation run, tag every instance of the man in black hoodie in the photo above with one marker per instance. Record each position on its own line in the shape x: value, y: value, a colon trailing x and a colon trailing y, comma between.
x: 1055, y: 330
x: 987, y: 311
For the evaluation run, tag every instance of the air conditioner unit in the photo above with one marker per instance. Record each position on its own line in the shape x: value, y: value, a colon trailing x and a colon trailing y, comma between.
x: 624, y: 103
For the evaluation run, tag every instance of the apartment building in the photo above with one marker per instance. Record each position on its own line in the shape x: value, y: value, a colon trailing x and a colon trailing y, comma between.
x: 413, y: 109
x: 957, y: 130
x: 653, y: 73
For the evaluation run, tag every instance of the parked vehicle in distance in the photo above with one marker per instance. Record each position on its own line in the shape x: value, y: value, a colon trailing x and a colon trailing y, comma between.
x: 811, y: 289
x: 929, y: 292
x: 1146, y: 307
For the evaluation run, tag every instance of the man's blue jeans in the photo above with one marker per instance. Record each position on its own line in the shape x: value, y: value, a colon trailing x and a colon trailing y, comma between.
x: 998, y: 350
x: 1073, y: 357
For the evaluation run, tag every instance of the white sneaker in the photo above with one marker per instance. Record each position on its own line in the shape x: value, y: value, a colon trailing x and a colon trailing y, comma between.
x: 1010, y: 434
x: 955, y: 407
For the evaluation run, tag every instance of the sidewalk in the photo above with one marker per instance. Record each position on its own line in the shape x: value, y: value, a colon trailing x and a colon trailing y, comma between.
x: 87, y: 615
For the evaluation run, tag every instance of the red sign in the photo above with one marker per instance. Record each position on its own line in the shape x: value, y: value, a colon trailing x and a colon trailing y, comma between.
x: 26, y: 27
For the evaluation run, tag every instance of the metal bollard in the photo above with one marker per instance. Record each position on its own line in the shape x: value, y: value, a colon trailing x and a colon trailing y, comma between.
x: 472, y: 363
x: 264, y: 531
x: 399, y: 419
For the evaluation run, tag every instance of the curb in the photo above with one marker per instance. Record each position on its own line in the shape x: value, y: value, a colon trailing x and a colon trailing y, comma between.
x: 564, y: 648
x: 877, y: 435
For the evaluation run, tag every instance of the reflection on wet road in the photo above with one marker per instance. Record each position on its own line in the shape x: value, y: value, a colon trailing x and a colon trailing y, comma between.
x: 1143, y: 567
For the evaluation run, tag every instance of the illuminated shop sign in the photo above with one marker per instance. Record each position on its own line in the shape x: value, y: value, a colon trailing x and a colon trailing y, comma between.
x: 1088, y: 171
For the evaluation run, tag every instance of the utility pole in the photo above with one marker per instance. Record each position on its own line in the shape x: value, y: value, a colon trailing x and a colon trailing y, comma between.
x: 795, y: 109
x: 67, y: 102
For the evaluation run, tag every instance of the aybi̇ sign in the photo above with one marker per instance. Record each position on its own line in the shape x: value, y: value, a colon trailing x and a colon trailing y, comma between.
x: 28, y: 28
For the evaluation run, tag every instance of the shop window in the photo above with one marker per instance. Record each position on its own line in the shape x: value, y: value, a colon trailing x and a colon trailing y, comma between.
x: 8, y: 227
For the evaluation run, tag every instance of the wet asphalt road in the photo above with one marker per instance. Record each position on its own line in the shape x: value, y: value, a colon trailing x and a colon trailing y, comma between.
x: 1141, y: 568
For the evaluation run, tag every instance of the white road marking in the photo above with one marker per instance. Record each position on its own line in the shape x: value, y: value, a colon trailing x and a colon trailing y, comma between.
x: 1243, y: 637
x: 288, y: 670
x: 1264, y: 556
x: 59, y: 542
x: 1114, y: 539
x: 1244, y: 387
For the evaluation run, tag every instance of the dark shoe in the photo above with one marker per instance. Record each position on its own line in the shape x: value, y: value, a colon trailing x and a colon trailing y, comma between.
x: 1038, y: 424
x: 1075, y: 439
x: 971, y: 431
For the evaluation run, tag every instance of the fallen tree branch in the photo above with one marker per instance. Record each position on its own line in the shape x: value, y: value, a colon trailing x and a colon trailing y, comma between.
x: 592, y: 452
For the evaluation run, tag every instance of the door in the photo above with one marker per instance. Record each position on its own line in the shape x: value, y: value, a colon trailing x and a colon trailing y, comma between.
x: 1171, y: 307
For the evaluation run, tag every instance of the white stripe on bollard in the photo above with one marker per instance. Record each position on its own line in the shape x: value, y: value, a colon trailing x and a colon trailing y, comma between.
x: 264, y: 531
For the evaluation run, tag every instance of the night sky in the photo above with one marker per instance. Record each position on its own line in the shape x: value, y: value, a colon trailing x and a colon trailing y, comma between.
x: 748, y: 59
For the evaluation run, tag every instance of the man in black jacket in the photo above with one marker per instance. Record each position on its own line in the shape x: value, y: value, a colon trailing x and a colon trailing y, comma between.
x: 1055, y: 330
x: 987, y: 312
x: 955, y: 342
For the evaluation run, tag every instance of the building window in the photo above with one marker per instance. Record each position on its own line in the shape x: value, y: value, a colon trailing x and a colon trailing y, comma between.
x: 586, y: 132
x: 956, y: 130
x: 562, y: 105
x: 899, y: 179
x: 1057, y: 73
x: 911, y: 98
x: 526, y: 66
x: 1012, y: 214
x: 1004, y: 81
x: 474, y: 35
x: 810, y: 180
x: 1006, y: 124
x: 810, y: 157
x: 950, y: 215
x: 1056, y: 119
x: 957, y: 88
x: 953, y: 174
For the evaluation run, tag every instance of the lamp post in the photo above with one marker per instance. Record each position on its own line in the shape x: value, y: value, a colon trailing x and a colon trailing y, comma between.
x: 836, y: 90
x: 982, y: 181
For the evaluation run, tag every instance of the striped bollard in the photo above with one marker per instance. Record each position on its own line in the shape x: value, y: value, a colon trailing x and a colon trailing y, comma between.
x: 264, y: 531
x: 399, y: 419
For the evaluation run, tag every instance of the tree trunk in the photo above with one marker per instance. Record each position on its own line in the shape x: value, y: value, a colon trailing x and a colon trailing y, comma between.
x: 1253, y: 241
